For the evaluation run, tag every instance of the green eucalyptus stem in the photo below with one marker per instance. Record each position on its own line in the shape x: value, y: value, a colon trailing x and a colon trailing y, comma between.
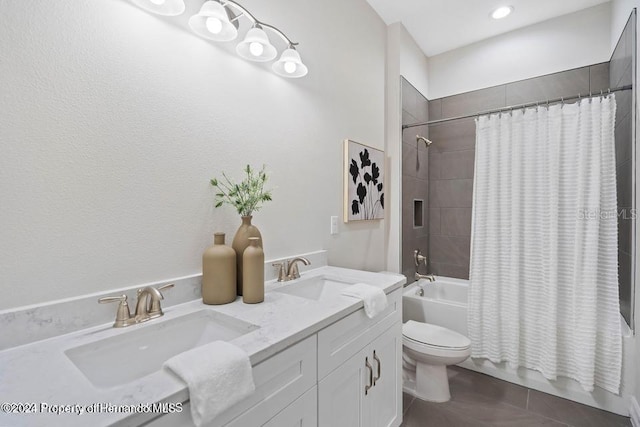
x: 247, y: 196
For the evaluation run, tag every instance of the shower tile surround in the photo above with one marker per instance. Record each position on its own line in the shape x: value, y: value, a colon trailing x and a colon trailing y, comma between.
x: 621, y: 74
x: 415, y: 177
x: 449, y: 183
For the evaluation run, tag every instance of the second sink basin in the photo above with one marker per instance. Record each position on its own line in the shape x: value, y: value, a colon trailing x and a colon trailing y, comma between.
x: 142, y: 351
x: 316, y: 288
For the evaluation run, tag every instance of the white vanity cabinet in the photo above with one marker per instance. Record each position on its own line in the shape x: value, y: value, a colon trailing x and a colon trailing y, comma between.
x: 348, y: 374
x: 282, y: 382
x: 366, y: 388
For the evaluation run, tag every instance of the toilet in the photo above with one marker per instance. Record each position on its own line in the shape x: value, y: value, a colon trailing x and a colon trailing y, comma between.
x: 426, y: 351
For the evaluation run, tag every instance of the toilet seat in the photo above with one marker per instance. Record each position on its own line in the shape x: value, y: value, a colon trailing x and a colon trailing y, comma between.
x: 426, y: 337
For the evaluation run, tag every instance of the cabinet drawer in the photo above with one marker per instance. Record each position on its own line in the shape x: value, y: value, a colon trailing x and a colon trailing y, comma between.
x: 279, y: 380
x: 347, y: 336
x: 301, y: 413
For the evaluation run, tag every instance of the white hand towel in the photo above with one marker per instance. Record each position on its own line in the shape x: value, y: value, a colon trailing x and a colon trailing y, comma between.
x: 375, y: 300
x: 219, y: 375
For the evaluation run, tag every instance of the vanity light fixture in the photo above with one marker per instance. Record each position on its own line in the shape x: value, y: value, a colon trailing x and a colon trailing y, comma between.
x: 213, y: 22
x: 162, y: 7
x: 502, y: 12
x: 218, y: 20
x: 290, y: 65
x: 256, y: 45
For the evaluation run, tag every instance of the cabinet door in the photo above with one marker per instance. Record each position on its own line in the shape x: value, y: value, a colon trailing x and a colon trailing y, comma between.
x: 341, y: 395
x: 386, y: 395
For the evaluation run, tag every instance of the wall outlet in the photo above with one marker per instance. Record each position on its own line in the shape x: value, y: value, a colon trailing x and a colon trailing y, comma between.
x: 334, y: 225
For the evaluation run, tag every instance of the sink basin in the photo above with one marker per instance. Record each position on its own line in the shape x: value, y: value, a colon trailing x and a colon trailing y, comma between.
x: 141, y: 351
x: 316, y: 288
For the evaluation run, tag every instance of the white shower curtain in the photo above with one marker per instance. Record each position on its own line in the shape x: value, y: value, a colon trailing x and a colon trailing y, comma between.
x: 544, y: 274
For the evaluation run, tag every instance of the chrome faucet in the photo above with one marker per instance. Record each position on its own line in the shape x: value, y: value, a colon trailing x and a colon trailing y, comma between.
x: 288, y: 270
x: 293, y: 272
x: 418, y: 259
x: 147, y: 308
x: 148, y: 305
x: 429, y: 277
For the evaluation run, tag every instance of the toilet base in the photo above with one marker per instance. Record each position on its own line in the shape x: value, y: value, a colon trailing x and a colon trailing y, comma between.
x: 431, y: 384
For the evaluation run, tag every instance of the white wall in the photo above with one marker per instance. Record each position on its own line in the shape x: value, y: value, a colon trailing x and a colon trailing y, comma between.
x: 620, y: 11
x: 414, y: 65
x: 114, y: 120
x: 559, y: 44
x: 393, y: 145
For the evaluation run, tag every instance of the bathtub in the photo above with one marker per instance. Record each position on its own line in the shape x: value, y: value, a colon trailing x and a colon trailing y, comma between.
x: 444, y: 303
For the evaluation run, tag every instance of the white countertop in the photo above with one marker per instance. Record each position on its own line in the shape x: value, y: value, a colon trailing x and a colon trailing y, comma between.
x: 40, y: 372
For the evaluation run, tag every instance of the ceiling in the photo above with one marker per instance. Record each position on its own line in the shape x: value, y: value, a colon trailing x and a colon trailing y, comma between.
x: 442, y: 25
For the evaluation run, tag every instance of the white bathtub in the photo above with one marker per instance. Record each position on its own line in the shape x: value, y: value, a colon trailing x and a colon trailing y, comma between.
x: 445, y: 303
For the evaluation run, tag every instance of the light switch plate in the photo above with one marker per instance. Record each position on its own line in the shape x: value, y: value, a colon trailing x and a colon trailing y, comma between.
x: 334, y: 225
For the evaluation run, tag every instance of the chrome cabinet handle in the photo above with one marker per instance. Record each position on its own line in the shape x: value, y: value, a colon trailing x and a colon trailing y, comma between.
x: 375, y: 357
x: 370, y: 368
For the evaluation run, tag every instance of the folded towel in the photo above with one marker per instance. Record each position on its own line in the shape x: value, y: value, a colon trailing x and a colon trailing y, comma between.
x: 375, y: 300
x: 218, y: 375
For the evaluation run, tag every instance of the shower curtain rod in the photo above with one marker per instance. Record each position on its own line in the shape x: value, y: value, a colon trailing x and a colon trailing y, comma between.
x: 516, y: 107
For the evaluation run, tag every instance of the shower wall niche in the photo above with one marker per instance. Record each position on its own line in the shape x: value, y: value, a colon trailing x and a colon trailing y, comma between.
x: 442, y: 175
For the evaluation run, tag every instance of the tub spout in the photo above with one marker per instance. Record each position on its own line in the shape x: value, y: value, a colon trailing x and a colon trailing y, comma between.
x: 429, y: 277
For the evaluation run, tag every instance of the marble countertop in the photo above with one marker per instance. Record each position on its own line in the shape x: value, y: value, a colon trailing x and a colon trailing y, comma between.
x: 40, y: 374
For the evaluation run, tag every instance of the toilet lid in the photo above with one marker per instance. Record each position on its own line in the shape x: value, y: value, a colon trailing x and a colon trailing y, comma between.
x: 434, y: 335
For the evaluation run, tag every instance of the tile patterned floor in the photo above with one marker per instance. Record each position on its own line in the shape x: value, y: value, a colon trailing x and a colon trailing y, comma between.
x: 480, y: 400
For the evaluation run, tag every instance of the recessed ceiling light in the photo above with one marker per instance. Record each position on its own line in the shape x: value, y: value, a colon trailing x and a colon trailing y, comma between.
x: 502, y: 12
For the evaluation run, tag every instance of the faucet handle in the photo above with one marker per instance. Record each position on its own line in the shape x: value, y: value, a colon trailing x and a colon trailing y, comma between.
x: 123, y: 315
x: 418, y: 258
x: 282, y: 270
x: 156, y: 309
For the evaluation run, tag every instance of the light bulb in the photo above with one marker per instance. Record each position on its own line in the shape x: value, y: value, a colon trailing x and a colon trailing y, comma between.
x: 214, y: 25
x: 290, y: 67
x: 158, y: 2
x: 256, y: 48
x: 502, y: 12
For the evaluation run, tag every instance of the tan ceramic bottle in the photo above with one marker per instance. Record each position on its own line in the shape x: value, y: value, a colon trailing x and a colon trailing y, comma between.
x: 218, y: 272
x: 241, y: 242
x: 253, y: 272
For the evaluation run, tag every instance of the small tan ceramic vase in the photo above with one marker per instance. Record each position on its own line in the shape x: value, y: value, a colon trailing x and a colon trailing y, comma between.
x: 253, y: 272
x: 218, y: 272
x: 241, y: 242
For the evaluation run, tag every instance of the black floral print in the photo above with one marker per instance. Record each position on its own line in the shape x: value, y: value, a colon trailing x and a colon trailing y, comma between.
x: 369, y: 188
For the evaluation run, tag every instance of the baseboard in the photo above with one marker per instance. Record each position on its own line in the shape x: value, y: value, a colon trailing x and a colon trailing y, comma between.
x: 634, y: 412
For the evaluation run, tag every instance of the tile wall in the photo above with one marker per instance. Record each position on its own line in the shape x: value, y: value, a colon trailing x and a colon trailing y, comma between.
x: 621, y: 74
x: 415, y: 177
x: 445, y: 175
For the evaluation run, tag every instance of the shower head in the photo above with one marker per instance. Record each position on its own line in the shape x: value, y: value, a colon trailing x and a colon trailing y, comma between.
x: 423, y: 139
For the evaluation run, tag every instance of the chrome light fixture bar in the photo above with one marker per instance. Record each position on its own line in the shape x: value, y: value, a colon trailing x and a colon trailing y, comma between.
x: 218, y: 20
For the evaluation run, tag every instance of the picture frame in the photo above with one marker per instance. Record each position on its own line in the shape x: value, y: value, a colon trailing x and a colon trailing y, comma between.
x: 363, y: 182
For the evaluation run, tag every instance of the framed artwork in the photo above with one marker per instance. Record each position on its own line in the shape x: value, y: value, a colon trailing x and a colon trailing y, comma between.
x: 363, y: 182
